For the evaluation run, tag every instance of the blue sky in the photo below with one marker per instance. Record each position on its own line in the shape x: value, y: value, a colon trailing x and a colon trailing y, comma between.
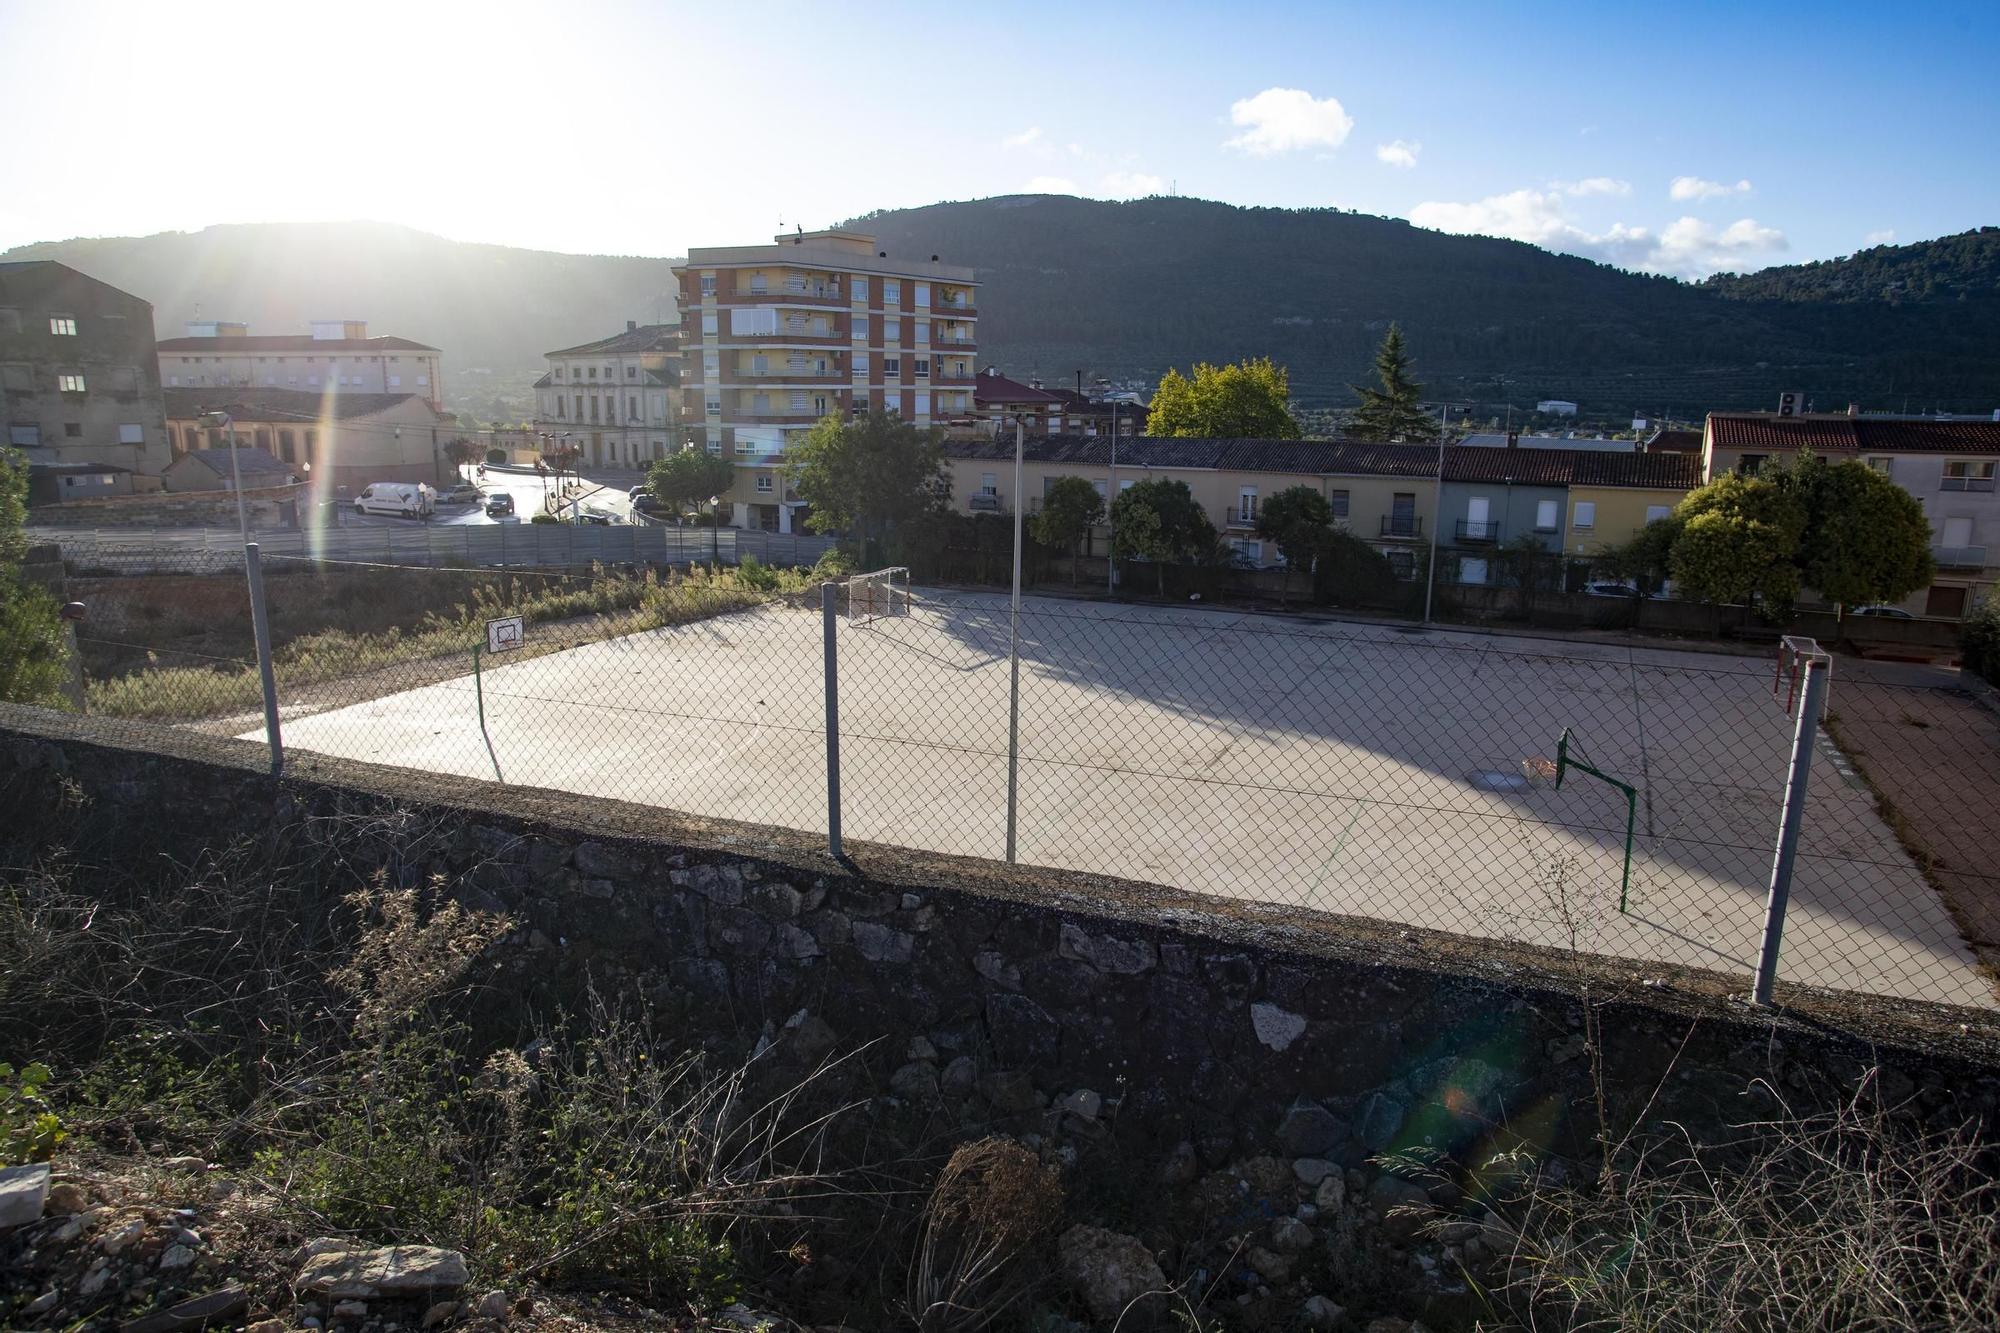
x: 1675, y: 139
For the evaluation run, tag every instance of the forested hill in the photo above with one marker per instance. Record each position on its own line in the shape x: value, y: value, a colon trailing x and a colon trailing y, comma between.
x: 1127, y: 289
x: 1951, y: 269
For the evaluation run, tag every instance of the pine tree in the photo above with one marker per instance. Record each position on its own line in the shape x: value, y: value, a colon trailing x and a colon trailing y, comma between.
x: 1392, y: 412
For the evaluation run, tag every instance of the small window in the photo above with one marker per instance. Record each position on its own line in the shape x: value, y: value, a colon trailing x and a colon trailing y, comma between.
x: 892, y: 330
x: 923, y: 295
x: 1654, y: 513
x: 1337, y: 502
x: 714, y: 405
x: 1586, y: 514
x: 1545, y: 516
x: 70, y: 383
x: 62, y: 326
x: 1246, y: 505
x: 27, y: 437
x: 72, y: 430
x: 1881, y: 463
x: 1751, y: 464
x: 923, y: 367
x: 131, y: 432
x: 708, y: 284
x: 892, y: 365
x: 709, y: 323
x: 423, y: 381
x: 892, y: 291
x: 593, y: 372
x: 631, y: 372
x: 764, y: 483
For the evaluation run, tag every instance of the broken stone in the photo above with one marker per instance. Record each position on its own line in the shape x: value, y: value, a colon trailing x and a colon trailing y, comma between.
x: 1082, y: 1103
x: 1276, y: 1028
x: 438, y: 1313
x: 1104, y: 952
x: 355, y: 1310
x: 176, y: 1256
x: 958, y: 1077
x: 1321, y: 1312
x: 1312, y: 1170
x: 24, y: 1192
x: 1270, y: 1265
x: 1108, y: 1271
x: 1290, y: 1235
x: 394, y: 1270
x: 493, y: 1305
x: 916, y: 1081
x: 1309, y: 1130
x: 882, y: 944
x: 1181, y: 1166
x: 1331, y: 1194
x: 66, y: 1199
x: 116, y: 1241
x: 920, y: 1048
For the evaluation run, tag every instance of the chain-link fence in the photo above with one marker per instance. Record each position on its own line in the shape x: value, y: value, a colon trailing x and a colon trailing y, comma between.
x: 1605, y: 799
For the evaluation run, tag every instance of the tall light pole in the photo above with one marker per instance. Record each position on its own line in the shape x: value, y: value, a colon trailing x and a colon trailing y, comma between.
x: 1437, y: 513
x: 223, y: 421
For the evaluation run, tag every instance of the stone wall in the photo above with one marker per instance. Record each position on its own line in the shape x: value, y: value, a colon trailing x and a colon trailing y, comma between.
x: 188, y: 509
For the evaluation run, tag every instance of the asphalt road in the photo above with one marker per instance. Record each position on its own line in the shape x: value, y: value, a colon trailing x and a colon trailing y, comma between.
x: 601, y: 492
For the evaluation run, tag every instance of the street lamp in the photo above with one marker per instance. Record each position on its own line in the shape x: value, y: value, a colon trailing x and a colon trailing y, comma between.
x: 714, y: 536
x: 222, y: 421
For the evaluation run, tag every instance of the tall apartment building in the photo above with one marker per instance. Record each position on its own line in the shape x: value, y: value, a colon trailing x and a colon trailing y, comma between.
x: 774, y: 337
x: 79, y: 381
x: 615, y: 399
x: 338, y: 354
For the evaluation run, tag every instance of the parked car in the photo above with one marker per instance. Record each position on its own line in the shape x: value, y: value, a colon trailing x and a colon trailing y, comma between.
x: 1609, y: 588
x: 648, y: 504
x: 596, y: 516
x: 500, y: 504
x: 1886, y: 612
x: 410, y: 499
x: 641, y: 491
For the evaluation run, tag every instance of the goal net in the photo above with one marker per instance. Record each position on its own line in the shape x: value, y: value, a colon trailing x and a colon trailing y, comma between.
x: 885, y: 592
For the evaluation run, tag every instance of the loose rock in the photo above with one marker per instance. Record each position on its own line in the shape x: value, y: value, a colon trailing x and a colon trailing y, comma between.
x: 67, y: 1199
x: 24, y: 1192
x: 395, y: 1270
x: 1108, y: 1271
x: 1321, y: 1312
x: 493, y: 1305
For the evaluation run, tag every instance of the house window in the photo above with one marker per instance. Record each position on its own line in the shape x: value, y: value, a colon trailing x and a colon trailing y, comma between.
x: 69, y: 383
x: 861, y: 327
x: 1881, y: 463
x: 311, y: 445
x: 395, y: 381
x: 561, y: 415
x: 892, y: 330
x: 1402, y: 563
x: 1249, y: 550
x: 923, y: 295
x: 859, y: 288
x: 759, y: 284
x: 27, y: 437
x: 632, y: 406
x: 923, y: 367
x: 72, y: 430
x: 1337, y: 502
x: 923, y: 332
x: 593, y: 372
x: 631, y: 372
x: 286, y: 446
x: 1586, y: 515
x: 708, y: 284
x: 892, y: 291
x: 1967, y: 475
x: 710, y: 324
x: 714, y: 405
x: 763, y: 483
x: 423, y: 381
x: 1751, y: 464
x: 62, y: 326
x: 131, y: 432
x: 1545, y: 516
x: 892, y: 366
x: 1654, y: 513
x: 1246, y: 505
x: 923, y: 404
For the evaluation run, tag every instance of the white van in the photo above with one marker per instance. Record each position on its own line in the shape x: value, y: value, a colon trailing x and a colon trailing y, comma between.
x: 407, y: 498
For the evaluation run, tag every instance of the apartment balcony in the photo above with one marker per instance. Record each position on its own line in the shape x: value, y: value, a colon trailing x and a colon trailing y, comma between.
x: 800, y: 417
x: 783, y: 338
x: 1959, y: 557
x: 959, y: 380
x: 785, y: 296
x: 983, y: 502
x: 1402, y: 527
x: 1478, y: 532
x: 781, y: 374
x: 953, y: 339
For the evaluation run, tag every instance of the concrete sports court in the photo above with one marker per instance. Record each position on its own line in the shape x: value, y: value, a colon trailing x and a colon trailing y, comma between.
x: 1359, y: 769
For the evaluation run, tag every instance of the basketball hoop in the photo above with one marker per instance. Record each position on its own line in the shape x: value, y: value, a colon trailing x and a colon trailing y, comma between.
x: 1794, y: 652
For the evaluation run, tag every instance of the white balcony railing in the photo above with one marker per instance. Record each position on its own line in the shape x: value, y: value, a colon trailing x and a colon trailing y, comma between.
x: 1959, y: 557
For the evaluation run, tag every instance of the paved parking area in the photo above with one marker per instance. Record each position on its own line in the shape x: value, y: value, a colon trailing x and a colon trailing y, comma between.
x: 1360, y: 769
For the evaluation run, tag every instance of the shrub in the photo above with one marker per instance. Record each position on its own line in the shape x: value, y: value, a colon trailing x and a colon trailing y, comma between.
x: 29, y: 1130
x: 1980, y: 640
x: 544, y: 518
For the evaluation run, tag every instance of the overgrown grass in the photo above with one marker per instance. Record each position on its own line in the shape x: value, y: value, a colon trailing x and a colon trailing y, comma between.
x: 616, y: 604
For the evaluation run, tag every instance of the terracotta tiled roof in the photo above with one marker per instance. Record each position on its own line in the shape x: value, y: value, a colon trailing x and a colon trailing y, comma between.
x: 291, y: 342
x: 645, y: 338
x: 248, y: 459
x: 1354, y: 458
x: 993, y: 387
x: 1848, y: 435
x: 1675, y: 441
x: 284, y: 404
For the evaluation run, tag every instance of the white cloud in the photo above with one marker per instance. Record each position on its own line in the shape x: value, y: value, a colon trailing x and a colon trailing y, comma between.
x: 1023, y: 139
x: 1131, y: 185
x: 1688, y: 247
x: 1594, y: 185
x: 1399, y: 153
x: 1051, y: 185
x: 1685, y: 188
x: 1282, y: 120
x: 1886, y: 236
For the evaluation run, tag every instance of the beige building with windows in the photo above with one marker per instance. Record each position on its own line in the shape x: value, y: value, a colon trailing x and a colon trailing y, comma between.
x: 330, y: 440
x: 614, y: 399
x: 774, y: 337
x: 337, y: 354
x: 1948, y: 465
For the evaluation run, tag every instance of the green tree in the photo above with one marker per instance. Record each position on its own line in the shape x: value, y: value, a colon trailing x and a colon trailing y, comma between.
x: 688, y: 479
x: 865, y: 477
x: 1250, y: 400
x: 1739, y: 540
x: 1350, y: 572
x: 33, y: 647
x: 1161, y: 520
x: 1070, y: 510
x: 1648, y: 557
x: 1299, y: 520
x: 1392, y: 411
x: 461, y: 451
x: 1866, y: 539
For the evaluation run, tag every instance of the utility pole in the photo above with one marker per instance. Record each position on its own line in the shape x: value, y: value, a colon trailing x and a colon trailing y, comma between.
x: 1437, y: 513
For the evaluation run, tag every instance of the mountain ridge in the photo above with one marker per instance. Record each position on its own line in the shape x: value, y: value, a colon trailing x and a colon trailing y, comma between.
x: 1125, y: 290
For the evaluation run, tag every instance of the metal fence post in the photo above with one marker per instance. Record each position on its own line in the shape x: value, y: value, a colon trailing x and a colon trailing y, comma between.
x: 260, y: 626
x: 1810, y: 706
x: 1014, y: 654
x: 829, y: 613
